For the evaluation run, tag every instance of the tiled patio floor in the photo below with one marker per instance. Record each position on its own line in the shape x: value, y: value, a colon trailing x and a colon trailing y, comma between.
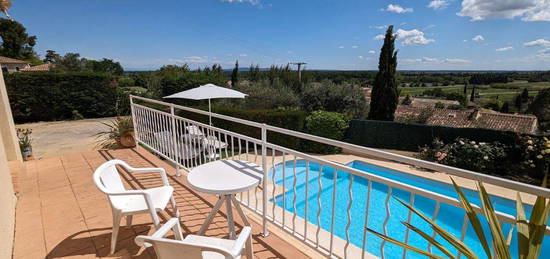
x: 61, y: 214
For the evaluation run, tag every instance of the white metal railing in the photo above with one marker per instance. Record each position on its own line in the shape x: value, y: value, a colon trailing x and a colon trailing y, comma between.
x: 188, y: 143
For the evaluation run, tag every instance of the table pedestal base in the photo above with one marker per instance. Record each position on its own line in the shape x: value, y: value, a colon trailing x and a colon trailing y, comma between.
x: 228, y: 199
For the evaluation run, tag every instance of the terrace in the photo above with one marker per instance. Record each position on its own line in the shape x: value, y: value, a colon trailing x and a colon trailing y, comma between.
x: 61, y: 214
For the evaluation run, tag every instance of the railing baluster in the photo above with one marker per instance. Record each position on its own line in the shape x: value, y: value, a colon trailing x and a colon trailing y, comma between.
x: 350, y: 193
x: 319, y: 192
x: 334, y: 185
x: 463, y: 231
x: 226, y: 145
x: 434, y: 216
x: 294, y: 196
x: 255, y: 153
x: 273, y: 170
x: 246, y: 147
x: 240, y: 150
x: 409, y: 216
x: 306, y: 204
x: 385, y: 224
x: 363, y: 246
x: 284, y: 188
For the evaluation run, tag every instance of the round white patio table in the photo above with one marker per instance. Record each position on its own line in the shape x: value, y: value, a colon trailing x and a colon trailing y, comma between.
x: 225, y: 178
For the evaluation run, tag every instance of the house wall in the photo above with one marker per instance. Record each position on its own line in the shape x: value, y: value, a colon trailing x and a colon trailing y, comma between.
x: 14, y: 67
x: 9, y: 150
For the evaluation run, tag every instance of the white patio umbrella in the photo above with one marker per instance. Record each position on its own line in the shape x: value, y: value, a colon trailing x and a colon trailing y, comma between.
x: 208, y: 91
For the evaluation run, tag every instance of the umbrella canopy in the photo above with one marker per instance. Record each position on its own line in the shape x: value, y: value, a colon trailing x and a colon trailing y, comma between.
x: 208, y: 91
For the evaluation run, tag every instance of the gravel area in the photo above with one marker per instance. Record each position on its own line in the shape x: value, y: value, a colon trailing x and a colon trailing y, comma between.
x: 59, y: 138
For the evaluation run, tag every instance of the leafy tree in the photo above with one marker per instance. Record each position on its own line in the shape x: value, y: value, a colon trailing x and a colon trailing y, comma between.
x: 518, y: 102
x: 71, y: 62
x: 540, y: 107
x: 384, y: 95
x: 525, y: 95
x: 235, y: 75
x: 473, y: 95
x: 505, y: 108
x: 16, y: 43
x: 328, y: 96
x: 105, y: 66
x: 51, y: 56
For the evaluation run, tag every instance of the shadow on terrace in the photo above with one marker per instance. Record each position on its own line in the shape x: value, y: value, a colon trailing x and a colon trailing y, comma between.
x: 61, y: 214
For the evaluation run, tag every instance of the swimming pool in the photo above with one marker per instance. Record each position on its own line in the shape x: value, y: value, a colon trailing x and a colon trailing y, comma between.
x: 449, y: 217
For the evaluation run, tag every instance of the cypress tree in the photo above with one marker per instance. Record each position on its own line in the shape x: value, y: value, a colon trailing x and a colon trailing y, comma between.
x: 385, y: 96
x: 473, y: 96
x: 235, y: 75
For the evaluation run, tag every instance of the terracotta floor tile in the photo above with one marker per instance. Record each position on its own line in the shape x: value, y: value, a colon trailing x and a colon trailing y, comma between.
x: 61, y: 214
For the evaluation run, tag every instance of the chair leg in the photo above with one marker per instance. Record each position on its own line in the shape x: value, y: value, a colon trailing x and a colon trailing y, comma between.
x: 175, y: 208
x: 116, y: 223
x: 129, y: 221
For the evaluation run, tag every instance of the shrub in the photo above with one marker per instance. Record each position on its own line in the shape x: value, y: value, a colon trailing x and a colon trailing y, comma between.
x: 467, y: 154
x: 493, y: 104
x: 325, y: 124
x: 288, y: 119
x: 328, y: 96
x: 54, y: 96
x: 266, y: 95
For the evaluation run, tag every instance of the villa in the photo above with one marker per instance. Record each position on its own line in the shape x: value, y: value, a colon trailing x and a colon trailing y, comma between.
x: 295, y: 205
x: 10, y: 65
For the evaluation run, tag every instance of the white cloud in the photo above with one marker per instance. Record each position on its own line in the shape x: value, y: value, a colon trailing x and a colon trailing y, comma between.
x: 544, y: 51
x: 341, y: 47
x: 360, y: 57
x: 354, y: 46
x: 243, y: 55
x: 456, y: 60
x: 252, y: 2
x: 190, y: 59
x: 372, y: 52
x: 465, y: 41
x: 379, y: 37
x: 478, y: 38
x: 527, y: 10
x: 428, y: 60
x: 398, y: 9
x: 381, y: 27
x: 438, y: 4
x: 539, y: 42
x: 413, y: 37
x: 504, y: 49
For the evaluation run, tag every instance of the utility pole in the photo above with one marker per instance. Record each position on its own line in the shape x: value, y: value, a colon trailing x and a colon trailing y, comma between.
x: 299, y: 64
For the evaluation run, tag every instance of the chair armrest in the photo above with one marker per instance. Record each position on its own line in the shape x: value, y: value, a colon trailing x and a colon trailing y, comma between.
x: 173, y: 224
x: 241, y: 240
x: 143, y: 193
x: 146, y: 170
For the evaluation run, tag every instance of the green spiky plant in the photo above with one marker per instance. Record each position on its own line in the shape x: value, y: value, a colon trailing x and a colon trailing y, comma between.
x: 118, y: 133
x: 530, y: 233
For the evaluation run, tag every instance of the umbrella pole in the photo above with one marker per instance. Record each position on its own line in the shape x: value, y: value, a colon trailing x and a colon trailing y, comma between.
x: 209, y: 113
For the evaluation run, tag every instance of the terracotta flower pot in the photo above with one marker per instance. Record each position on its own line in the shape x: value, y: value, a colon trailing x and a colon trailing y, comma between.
x: 128, y: 140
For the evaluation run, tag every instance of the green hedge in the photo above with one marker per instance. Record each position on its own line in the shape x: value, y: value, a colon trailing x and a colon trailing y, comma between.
x: 406, y: 136
x: 52, y: 96
x: 289, y: 119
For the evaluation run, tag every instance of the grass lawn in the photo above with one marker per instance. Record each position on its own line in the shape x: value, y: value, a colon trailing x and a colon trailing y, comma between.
x: 504, y: 92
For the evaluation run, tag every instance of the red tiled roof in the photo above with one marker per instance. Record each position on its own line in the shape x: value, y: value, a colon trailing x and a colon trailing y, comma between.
x: 43, y: 67
x: 6, y: 60
x: 473, y: 118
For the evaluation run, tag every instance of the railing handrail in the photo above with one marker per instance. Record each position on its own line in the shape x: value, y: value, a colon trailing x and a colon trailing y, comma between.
x: 506, y: 183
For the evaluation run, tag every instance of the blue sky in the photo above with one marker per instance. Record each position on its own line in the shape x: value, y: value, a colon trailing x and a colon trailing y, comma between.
x: 327, y: 34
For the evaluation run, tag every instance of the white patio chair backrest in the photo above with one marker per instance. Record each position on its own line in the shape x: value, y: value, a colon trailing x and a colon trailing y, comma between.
x: 107, y: 178
x: 194, y: 130
x: 169, y: 248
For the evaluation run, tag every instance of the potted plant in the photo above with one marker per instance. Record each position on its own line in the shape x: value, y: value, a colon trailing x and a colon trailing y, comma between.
x: 25, y: 142
x: 119, y: 133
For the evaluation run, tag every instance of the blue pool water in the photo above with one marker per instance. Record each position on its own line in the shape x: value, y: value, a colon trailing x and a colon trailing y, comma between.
x: 449, y: 217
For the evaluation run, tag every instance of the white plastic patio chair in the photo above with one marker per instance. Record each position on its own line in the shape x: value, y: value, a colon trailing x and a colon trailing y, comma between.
x: 182, y: 150
x: 196, y: 247
x: 126, y: 203
x: 211, y: 142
